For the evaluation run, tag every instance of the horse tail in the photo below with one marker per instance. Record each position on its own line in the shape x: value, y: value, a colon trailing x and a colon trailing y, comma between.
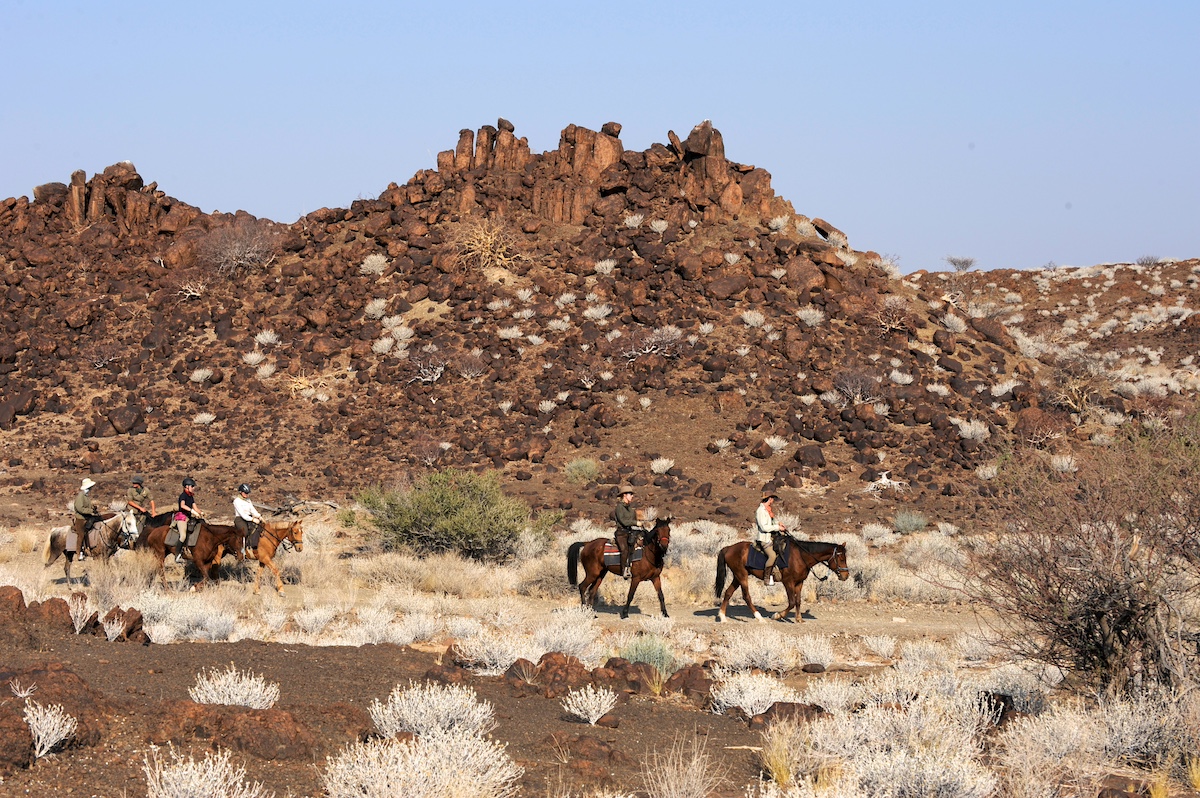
x: 573, y: 563
x: 48, y: 549
x: 721, y: 569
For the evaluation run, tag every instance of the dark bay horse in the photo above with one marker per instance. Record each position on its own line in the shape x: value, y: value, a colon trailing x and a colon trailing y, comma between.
x: 102, y: 540
x: 803, y: 555
x: 211, y: 540
x: 649, y: 568
x: 276, y: 534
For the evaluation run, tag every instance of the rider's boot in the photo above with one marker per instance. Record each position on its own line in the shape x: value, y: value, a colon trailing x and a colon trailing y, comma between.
x: 769, y: 576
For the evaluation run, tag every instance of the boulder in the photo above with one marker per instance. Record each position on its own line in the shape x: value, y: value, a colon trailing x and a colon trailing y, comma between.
x: 271, y: 734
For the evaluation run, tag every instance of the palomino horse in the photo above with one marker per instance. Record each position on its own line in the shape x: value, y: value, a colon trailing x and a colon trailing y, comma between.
x: 803, y: 555
x: 649, y: 568
x: 210, y: 540
x: 102, y: 540
x: 276, y: 534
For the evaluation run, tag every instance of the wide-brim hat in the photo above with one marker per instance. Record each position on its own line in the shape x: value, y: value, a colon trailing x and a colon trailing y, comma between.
x: 769, y: 494
x: 87, y: 483
x: 626, y: 488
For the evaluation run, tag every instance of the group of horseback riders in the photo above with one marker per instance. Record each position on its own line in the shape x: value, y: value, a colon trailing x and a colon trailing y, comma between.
x: 768, y: 531
x: 185, y: 518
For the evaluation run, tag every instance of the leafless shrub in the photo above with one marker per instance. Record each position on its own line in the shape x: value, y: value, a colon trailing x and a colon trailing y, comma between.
x: 664, y: 341
x: 589, y: 703
x: 1095, y: 570
x: 857, y: 387
x: 892, y: 315
x: 376, y: 263
x: 484, y: 244
x: 240, y: 248
x: 192, y: 289
x: 470, y: 366
x: 426, y: 368
x: 661, y: 465
x: 810, y: 315
x: 685, y: 771
x: 1075, y: 381
x: 49, y: 725
x: 212, y: 777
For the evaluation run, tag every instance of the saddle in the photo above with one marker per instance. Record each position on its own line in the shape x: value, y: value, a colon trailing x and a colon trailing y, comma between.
x: 612, y: 555
x: 757, y: 560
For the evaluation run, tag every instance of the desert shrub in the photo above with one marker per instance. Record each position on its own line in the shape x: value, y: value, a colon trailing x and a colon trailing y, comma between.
x: 239, y: 248
x: 766, y: 650
x: 589, y: 703
x: 462, y: 767
x: 654, y: 650
x: 50, y: 725
x: 433, y: 710
x: 1094, y: 570
x: 753, y: 693
x: 582, y: 470
x: 685, y: 771
x: 492, y: 653
x: 453, y: 511
x: 232, y: 687
x: 484, y: 244
x: 907, y: 521
x: 212, y: 777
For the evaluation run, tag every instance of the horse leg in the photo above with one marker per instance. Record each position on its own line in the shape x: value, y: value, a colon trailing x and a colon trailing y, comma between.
x: 67, y: 567
x: 258, y: 577
x: 278, y: 576
x: 744, y: 579
x: 792, y: 595
x: 633, y: 586
x: 662, y: 602
x: 733, y: 585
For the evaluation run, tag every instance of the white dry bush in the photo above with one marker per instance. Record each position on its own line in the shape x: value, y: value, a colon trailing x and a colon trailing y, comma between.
x: 939, y: 389
x: 776, y: 442
x: 900, y: 378
x: 265, y: 371
x: 403, y: 333
x: 977, y: 430
x: 753, y: 318
x: 987, y: 471
x: 383, y: 345
x: 375, y: 308
x: 752, y: 693
x: 834, y: 695
x: 204, y: 419
x: 375, y: 263
x: 234, y: 688
x: 19, y: 690
x: 1063, y: 464
x: 659, y: 225
x: 706, y: 327
x: 547, y: 406
x: 881, y: 645
x: 811, y: 316
x: 212, y: 777
x: 685, y: 771
x: 589, y: 703
x: 313, y: 620
x: 571, y: 631
x: 114, y: 627
x: 254, y: 357
x: 438, y: 767
x: 81, y: 610
x: 732, y: 257
x: 814, y: 650
x: 765, y: 650
x: 266, y: 338
x: 661, y: 465
x: 200, y: 375
x: 777, y: 223
x: 491, y: 653
x: 598, y: 313
x: 433, y: 710
x: 879, y: 534
x: 634, y: 220
x: 50, y: 725
x: 954, y: 324
x: 605, y: 266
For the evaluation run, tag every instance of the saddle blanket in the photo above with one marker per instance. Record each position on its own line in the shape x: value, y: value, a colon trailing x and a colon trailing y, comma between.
x: 756, y: 560
x: 612, y: 555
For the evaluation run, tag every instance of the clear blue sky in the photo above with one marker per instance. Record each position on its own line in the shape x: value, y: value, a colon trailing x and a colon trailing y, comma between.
x: 1017, y: 133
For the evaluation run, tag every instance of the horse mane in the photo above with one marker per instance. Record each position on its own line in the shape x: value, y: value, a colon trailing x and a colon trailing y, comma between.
x: 814, y: 546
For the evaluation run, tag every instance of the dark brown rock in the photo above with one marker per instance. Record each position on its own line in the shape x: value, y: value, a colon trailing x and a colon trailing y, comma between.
x: 271, y: 734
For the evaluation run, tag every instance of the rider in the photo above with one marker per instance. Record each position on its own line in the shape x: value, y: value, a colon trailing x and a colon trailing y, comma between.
x: 86, y: 517
x: 185, y: 512
x: 768, y: 531
x: 626, y: 519
x: 247, y: 519
x: 138, y: 499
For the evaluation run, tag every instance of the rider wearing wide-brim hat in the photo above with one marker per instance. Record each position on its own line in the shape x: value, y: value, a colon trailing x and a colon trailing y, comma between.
x: 767, y: 531
x: 138, y: 499
x: 85, y: 517
x: 247, y: 519
x: 625, y: 517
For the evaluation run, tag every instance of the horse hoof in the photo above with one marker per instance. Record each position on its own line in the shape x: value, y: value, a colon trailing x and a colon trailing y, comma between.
x: 720, y: 617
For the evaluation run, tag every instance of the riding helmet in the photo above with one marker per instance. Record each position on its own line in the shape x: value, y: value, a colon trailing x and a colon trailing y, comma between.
x: 138, y: 479
x: 188, y: 482
x: 243, y: 488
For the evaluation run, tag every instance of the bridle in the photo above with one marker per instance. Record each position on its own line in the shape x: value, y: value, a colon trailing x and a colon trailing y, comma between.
x: 832, y: 555
x: 285, y: 542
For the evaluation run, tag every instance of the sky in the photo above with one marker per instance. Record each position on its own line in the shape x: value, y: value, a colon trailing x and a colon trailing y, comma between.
x: 1016, y: 133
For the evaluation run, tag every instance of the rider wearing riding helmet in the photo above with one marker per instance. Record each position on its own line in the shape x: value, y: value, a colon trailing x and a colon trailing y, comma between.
x: 138, y: 499
x: 182, y: 539
x: 247, y: 519
x: 86, y: 516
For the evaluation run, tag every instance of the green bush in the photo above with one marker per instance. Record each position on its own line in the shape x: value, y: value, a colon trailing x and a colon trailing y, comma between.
x: 654, y: 650
x: 347, y: 517
x: 907, y: 521
x: 454, y: 511
x: 582, y: 470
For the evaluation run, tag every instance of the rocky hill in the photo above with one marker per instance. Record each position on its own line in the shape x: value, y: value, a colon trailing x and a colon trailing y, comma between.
x: 530, y: 312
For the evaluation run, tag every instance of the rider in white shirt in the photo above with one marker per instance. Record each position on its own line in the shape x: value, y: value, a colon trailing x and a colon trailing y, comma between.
x: 247, y: 519
x: 768, y: 528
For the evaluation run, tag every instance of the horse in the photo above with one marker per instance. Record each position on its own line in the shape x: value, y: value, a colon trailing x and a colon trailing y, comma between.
x: 275, y: 534
x: 648, y: 568
x: 211, y: 539
x: 804, y: 554
x: 102, y: 540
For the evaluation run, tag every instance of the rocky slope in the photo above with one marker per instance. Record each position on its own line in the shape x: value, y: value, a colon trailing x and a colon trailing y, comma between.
x: 522, y: 311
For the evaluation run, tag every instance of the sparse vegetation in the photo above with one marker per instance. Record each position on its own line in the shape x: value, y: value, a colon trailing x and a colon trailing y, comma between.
x: 240, y: 248
x: 484, y: 244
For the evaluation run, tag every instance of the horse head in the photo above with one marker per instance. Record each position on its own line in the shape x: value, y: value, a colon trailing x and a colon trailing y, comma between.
x: 837, y: 562
x: 662, y: 531
x: 296, y: 532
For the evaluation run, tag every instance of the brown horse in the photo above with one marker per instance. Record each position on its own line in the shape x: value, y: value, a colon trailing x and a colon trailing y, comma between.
x: 803, y: 555
x: 649, y: 568
x: 211, y: 540
x: 102, y: 540
x: 276, y: 534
